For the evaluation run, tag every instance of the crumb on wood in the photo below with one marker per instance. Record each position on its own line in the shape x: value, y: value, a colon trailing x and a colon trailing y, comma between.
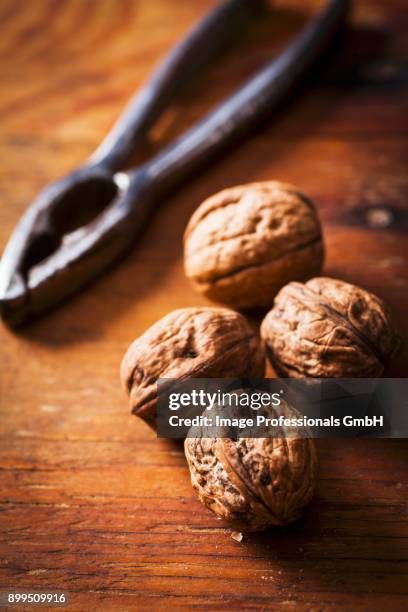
x: 237, y: 536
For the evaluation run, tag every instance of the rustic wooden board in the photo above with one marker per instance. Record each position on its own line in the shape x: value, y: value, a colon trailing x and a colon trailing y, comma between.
x: 90, y: 501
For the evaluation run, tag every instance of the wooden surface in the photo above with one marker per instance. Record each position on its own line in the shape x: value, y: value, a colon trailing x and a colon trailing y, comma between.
x: 91, y: 502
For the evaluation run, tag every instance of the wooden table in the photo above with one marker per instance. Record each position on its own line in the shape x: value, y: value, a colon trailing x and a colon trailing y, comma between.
x: 91, y: 502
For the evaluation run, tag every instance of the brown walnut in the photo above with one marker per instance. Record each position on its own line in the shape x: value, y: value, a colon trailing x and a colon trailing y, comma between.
x: 243, y: 244
x: 328, y: 328
x: 189, y: 343
x: 254, y: 483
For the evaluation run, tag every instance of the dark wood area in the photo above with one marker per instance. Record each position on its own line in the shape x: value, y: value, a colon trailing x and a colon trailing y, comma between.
x: 90, y: 500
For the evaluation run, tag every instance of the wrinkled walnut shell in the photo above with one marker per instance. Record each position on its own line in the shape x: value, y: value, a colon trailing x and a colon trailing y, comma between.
x: 328, y: 328
x: 243, y: 244
x: 253, y: 483
x: 189, y: 343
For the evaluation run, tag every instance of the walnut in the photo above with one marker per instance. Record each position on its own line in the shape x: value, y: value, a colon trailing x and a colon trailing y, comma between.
x: 189, y: 343
x: 243, y: 244
x: 254, y: 483
x: 328, y: 328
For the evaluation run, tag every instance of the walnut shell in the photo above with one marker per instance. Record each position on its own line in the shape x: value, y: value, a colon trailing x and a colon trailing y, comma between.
x: 253, y: 483
x: 328, y: 328
x: 243, y: 244
x: 189, y: 343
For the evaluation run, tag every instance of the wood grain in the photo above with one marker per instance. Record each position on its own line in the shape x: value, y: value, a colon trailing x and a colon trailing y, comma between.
x: 90, y: 501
